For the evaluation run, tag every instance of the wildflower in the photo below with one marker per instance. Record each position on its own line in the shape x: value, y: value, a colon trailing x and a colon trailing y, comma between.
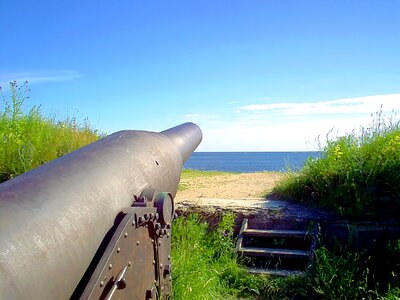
x: 338, y: 152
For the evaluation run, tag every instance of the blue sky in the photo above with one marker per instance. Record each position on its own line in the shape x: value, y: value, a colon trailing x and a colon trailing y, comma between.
x: 254, y: 75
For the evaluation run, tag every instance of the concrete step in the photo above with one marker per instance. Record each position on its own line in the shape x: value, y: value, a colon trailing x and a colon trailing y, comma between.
x: 275, y: 272
x: 288, y: 253
x: 275, y: 233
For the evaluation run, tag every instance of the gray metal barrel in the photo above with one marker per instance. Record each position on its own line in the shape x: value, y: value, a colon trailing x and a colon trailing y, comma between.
x: 53, y: 218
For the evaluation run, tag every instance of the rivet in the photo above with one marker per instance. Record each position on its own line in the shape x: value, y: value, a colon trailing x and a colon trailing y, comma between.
x: 137, y: 243
x: 133, y: 223
x: 157, y: 216
x: 159, y: 243
x: 169, y: 257
x: 110, y: 266
x: 118, y: 250
x: 167, y: 235
x: 152, y: 241
x: 129, y: 263
x: 161, y: 266
x: 126, y: 234
x: 154, y: 262
x: 101, y: 283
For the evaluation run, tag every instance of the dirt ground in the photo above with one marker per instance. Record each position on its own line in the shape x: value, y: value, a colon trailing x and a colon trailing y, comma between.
x: 227, y: 186
x: 244, y: 194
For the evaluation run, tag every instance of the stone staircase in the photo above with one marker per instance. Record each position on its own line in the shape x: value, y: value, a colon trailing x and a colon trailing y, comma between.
x: 281, y: 252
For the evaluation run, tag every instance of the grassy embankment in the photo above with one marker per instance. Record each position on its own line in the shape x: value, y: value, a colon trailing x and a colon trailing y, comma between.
x: 31, y: 139
x: 206, y: 267
x: 358, y: 174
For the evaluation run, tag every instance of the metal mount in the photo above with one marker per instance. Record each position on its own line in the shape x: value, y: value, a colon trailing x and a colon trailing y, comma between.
x: 137, y: 262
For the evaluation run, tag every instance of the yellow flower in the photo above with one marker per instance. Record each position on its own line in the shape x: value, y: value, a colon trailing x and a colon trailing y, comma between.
x: 338, y: 152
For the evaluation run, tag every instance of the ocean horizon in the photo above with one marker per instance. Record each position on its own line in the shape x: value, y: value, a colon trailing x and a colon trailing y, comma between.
x: 248, y: 162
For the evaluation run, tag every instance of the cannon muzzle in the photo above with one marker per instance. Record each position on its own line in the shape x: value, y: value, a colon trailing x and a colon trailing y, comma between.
x: 54, y: 218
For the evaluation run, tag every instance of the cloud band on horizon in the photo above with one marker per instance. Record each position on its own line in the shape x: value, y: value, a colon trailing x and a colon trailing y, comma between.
x: 366, y: 104
x: 39, y: 77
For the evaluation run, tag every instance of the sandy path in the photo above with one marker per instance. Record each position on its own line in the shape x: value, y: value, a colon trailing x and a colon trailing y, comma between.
x: 227, y: 186
x: 244, y: 194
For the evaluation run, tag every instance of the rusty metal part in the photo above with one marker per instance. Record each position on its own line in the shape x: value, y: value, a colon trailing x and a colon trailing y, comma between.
x: 136, y: 263
x: 164, y: 262
x: 130, y: 257
x: 54, y: 220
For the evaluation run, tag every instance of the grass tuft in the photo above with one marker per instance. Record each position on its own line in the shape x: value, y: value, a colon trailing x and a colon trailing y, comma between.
x: 28, y: 140
x: 357, y: 174
x: 206, y: 267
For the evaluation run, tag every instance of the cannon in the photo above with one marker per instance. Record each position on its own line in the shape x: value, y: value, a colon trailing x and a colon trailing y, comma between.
x: 95, y: 223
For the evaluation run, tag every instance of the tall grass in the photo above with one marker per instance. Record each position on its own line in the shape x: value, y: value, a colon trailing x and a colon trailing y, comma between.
x: 357, y: 175
x: 206, y: 267
x: 29, y: 139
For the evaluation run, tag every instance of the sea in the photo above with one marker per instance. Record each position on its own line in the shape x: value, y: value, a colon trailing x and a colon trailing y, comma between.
x: 247, y: 162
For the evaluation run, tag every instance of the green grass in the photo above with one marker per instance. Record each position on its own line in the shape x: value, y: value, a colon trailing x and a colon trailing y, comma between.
x: 205, y: 267
x: 189, y: 173
x: 30, y: 139
x: 357, y: 175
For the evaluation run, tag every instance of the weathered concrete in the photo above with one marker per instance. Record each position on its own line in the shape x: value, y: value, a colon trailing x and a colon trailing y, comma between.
x: 279, y: 214
x: 261, y: 212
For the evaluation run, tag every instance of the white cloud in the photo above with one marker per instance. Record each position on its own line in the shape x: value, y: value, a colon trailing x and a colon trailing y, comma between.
x: 292, y: 126
x: 39, y: 77
x: 367, y: 104
x: 294, y: 136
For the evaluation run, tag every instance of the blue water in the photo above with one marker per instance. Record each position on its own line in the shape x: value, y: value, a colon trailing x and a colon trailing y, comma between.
x: 248, y: 161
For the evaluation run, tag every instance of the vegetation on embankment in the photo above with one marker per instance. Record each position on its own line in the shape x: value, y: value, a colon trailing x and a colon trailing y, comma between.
x: 205, y: 266
x: 357, y: 175
x: 31, y: 139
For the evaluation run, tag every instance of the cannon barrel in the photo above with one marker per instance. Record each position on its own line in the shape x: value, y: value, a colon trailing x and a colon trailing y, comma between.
x: 53, y: 218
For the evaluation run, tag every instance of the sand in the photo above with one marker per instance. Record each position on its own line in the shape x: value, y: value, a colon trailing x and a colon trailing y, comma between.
x: 228, y: 186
